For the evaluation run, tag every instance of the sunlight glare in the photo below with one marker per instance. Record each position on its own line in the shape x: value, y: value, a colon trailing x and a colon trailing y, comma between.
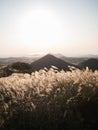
x: 40, y: 27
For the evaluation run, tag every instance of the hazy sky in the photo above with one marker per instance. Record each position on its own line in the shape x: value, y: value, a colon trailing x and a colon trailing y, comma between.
x: 69, y: 27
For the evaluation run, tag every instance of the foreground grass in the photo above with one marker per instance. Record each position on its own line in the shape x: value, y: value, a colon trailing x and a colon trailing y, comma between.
x: 49, y: 100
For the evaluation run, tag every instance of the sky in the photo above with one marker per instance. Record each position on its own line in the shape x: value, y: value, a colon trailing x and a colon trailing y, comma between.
x: 29, y: 27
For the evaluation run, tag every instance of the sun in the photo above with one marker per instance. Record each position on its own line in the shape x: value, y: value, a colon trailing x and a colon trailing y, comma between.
x: 41, y: 28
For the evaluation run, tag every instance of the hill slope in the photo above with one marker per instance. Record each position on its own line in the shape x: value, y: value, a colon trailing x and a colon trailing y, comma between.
x: 90, y: 63
x: 17, y: 67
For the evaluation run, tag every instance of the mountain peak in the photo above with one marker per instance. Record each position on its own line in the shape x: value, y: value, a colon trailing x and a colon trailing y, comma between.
x: 50, y: 56
x: 48, y: 61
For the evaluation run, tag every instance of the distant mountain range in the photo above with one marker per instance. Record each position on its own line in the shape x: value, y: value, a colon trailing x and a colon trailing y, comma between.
x: 76, y: 60
x: 46, y: 61
x: 34, y: 57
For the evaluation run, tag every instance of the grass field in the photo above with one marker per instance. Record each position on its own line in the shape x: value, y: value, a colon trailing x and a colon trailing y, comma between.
x: 49, y: 100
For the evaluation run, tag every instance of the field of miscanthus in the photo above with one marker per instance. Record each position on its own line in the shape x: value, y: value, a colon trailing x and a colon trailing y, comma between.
x: 49, y: 100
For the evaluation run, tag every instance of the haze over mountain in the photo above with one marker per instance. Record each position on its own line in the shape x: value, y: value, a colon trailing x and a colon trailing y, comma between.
x: 10, y: 60
x: 76, y: 59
